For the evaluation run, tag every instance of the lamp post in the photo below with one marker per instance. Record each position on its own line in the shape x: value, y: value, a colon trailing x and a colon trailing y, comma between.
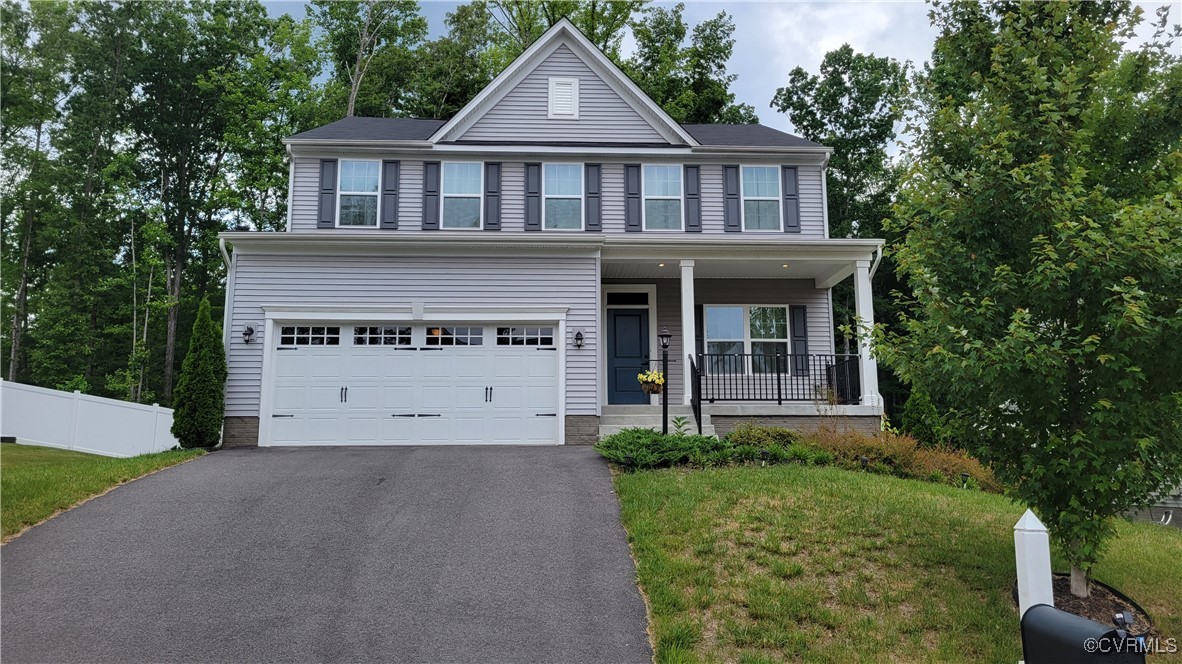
x: 664, y: 336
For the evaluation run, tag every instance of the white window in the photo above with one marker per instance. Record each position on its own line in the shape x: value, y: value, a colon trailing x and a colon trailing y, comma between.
x: 562, y: 194
x: 455, y: 336
x: 358, y: 193
x: 761, y: 198
x: 733, y: 331
x: 462, y: 184
x: 662, y: 198
x: 564, y: 99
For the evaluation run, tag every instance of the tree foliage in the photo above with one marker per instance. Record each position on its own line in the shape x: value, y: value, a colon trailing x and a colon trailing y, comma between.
x: 197, y: 417
x: 1044, y: 252
x: 690, y: 81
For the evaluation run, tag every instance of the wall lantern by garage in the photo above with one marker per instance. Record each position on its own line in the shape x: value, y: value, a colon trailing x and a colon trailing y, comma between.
x: 578, y: 339
x: 248, y: 333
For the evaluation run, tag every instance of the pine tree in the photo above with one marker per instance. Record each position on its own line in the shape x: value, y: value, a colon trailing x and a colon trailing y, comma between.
x: 200, y: 402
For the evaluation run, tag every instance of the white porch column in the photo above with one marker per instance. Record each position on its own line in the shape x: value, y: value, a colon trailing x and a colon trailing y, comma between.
x: 688, y: 334
x: 864, y: 308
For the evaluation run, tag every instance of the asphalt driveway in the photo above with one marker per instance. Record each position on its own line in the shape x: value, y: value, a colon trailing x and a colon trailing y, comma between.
x: 454, y: 554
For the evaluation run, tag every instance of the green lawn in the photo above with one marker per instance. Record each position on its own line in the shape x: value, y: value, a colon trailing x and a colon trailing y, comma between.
x: 37, y: 482
x: 818, y: 564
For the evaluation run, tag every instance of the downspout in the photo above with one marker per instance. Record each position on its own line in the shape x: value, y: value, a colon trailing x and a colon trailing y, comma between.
x: 225, y: 254
x: 877, y: 260
x: 225, y: 327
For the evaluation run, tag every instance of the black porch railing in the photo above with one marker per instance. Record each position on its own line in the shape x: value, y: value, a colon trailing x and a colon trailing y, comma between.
x: 696, y: 392
x: 779, y: 378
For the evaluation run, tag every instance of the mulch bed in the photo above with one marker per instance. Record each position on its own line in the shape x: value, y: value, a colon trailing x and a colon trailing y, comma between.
x: 1100, y: 606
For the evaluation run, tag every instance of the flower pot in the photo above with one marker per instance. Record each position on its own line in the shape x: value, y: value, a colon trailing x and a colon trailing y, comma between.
x: 652, y: 388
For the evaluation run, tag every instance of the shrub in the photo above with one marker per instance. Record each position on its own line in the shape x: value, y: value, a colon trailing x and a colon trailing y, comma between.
x: 649, y: 448
x: 761, y: 436
x: 199, y: 402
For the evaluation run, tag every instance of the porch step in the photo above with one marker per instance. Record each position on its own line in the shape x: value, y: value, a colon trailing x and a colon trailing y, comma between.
x: 616, y: 418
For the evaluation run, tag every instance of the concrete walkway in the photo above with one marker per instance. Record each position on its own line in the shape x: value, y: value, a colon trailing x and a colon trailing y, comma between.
x: 452, y: 554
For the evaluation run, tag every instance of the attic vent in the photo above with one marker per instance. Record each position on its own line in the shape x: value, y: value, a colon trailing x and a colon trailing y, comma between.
x: 564, y: 98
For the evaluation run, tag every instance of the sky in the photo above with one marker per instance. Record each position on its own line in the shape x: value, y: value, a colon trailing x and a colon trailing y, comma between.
x: 771, y: 38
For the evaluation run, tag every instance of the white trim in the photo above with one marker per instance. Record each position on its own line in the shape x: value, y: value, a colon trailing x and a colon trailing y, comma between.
x: 551, y: 83
x: 564, y: 32
x: 653, y: 349
x: 824, y: 195
x: 377, y: 194
x: 680, y: 198
x: 479, y: 195
x: 582, y: 195
x: 743, y: 198
x: 277, y: 315
x: 290, y: 184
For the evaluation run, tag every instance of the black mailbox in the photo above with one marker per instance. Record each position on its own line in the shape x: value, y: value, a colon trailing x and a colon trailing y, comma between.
x: 1051, y: 635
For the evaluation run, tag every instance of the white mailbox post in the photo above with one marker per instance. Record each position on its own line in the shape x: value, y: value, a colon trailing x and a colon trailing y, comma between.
x: 1032, y: 551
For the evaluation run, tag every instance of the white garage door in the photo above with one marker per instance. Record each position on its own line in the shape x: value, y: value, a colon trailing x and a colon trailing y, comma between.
x: 382, y: 384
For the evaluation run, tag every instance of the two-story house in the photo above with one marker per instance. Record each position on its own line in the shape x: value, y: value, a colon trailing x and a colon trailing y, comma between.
x: 502, y: 277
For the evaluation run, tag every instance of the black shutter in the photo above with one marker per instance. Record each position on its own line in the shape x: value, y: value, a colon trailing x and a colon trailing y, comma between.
x: 632, y: 201
x: 593, y: 219
x: 798, y: 330
x: 431, y: 198
x: 390, y: 195
x: 732, y: 213
x: 326, y: 212
x: 693, y: 199
x: 533, y: 197
x: 791, y: 201
x: 492, y: 196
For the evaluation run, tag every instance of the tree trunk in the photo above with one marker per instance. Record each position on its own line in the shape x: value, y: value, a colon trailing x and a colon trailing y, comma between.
x: 20, y: 319
x: 1079, y: 582
x: 174, y: 310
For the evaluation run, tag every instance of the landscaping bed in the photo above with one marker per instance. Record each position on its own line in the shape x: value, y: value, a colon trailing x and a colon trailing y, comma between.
x: 39, y: 482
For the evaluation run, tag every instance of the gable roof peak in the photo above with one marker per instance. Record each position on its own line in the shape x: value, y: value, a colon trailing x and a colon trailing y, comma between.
x: 565, y: 32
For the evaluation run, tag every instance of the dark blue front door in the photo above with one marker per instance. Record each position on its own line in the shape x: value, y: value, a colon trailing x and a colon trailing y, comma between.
x: 627, y: 354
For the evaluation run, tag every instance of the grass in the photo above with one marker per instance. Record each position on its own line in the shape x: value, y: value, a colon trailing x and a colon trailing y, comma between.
x: 38, y: 482
x: 789, y: 562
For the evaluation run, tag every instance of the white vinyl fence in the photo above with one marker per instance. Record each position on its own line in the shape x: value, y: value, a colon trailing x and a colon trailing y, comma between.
x: 76, y: 421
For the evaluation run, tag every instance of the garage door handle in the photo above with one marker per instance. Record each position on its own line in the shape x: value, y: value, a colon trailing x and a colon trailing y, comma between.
x: 346, y: 394
x: 341, y: 395
x: 403, y: 415
x: 283, y: 416
x: 546, y: 415
x: 430, y: 415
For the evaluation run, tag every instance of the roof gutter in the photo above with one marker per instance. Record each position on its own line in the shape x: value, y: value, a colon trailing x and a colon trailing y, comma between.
x: 756, y: 149
x: 334, y: 142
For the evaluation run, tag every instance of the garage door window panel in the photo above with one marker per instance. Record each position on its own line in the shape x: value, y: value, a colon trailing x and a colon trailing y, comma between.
x: 307, y: 335
x: 525, y: 336
x: 455, y: 336
x: 381, y: 336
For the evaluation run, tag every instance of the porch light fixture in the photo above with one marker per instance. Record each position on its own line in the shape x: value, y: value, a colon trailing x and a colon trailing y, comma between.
x: 784, y: 265
x: 578, y: 339
x: 865, y: 462
x: 247, y: 333
x: 664, y: 337
x: 660, y: 265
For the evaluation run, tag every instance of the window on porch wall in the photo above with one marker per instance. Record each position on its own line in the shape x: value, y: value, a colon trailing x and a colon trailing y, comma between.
x: 734, y: 332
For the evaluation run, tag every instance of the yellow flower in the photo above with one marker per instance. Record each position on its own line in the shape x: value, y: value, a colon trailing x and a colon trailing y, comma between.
x: 655, y: 377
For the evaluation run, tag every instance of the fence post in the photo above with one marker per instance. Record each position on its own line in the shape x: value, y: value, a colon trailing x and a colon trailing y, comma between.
x: 155, y: 426
x: 779, y: 380
x: 74, y: 420
x: 1032, y: 552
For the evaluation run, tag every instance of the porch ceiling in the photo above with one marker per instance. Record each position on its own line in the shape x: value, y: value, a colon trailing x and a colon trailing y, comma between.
x: 820, y: 271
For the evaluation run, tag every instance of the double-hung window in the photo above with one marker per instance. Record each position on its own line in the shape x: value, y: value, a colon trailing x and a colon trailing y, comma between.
x: 736, y: 331
x: 662, y: 198
x: 461, y: 195
x: 761, y: 198
x: 562, y: 191
x: 358, y: 199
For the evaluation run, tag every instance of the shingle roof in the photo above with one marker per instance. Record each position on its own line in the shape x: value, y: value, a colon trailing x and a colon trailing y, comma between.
x: 373, y: 129
x: 747, y: 135
x: 417, y: 129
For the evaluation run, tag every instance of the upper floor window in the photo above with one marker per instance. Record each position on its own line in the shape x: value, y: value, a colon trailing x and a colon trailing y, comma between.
x: 562, y: 191
x: 358, y: 193
x: 563, y: 98
x: 761, y: 198
x: 662, y: 198
x: 461, y: 195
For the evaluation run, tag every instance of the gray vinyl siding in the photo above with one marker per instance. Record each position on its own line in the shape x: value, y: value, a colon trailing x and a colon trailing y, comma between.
x: 343, y: 281
x: 410, y: 200
x: 521, y: 115
x: 738, y: 291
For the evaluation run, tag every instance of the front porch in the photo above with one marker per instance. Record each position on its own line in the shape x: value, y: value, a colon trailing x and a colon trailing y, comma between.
x: 751, y: 328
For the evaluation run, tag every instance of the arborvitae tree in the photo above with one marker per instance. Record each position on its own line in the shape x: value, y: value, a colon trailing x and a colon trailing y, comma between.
x: 200, y: 399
